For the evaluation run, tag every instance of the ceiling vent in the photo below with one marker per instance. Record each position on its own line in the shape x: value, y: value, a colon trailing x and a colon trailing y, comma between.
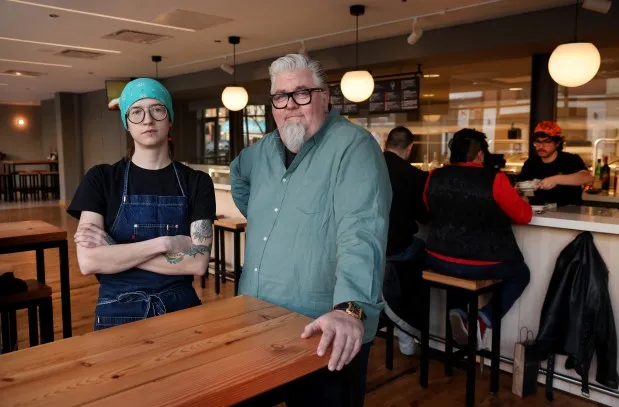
x: 136, y: 37
x: 189, y: 19
x: 26, y: 74
x: 72, y: 53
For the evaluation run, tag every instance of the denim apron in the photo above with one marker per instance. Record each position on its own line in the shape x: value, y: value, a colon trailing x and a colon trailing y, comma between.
x: 138, y: 294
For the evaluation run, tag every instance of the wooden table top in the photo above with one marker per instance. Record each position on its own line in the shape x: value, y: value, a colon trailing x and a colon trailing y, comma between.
x: 216, y: 354
x: 28, y: 232
x: 232, y: 223
x: 29, y: 162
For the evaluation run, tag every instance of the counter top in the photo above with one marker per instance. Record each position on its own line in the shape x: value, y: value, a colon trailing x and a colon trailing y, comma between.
x: 584, y: 218
x: 602, y: 196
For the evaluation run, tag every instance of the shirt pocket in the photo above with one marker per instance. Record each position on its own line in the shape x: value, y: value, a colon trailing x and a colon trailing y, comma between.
x: 311, y: 197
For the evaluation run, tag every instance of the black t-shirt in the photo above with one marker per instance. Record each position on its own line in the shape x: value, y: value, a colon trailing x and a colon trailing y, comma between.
x: 407, y: 206
x: 101, y: 189
x: 564, y: 164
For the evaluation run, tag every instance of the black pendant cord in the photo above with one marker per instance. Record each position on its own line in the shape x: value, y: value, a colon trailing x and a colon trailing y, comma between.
x: 576, y: 22
x: 357, y: 47
x: 234, y: 63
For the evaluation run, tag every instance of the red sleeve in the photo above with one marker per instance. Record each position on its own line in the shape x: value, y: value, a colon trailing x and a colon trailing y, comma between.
x: 425, y: 188
x: 508, y: 200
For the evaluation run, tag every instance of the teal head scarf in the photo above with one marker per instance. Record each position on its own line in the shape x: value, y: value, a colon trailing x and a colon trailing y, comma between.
x: 144, y: 88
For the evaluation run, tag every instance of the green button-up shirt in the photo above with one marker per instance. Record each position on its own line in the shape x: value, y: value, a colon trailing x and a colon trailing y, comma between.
x: 317, y: 231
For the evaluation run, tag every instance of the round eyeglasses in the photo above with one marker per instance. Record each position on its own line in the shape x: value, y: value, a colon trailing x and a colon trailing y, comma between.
x: 136, y: 115
x: 301, y: 97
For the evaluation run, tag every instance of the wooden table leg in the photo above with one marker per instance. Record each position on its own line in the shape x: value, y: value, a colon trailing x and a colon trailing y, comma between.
x: 65, y: 289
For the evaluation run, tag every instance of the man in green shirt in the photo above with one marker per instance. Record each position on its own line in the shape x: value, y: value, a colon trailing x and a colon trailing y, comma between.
x: 316, y: 195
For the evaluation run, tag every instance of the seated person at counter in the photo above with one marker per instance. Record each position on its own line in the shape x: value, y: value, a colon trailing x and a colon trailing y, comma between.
x: 404, y: 250
x: 562, y: 174
x: 316, y: 196
x: 470, y: 236
x: 136, y: 217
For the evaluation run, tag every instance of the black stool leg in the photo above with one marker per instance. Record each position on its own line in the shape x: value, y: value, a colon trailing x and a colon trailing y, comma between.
x: 425, y: 335
x: 222, y: 242
x: 33, y: 326
x: 389, y: 351
x: 47, y: 320
x: 448, y: 338
x: 217, y: 261
x: 237, y: 261
x: 496, y: 339
x: 6, y: 333
x: 472, y: 351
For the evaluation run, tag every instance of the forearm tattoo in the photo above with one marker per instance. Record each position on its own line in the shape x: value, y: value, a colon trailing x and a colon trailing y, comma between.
x: 202, y: 237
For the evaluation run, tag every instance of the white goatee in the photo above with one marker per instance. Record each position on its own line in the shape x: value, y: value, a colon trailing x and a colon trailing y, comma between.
x: 293, y: 135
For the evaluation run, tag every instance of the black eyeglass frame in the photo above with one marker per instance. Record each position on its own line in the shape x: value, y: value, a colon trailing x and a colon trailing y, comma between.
x: 291, y: 95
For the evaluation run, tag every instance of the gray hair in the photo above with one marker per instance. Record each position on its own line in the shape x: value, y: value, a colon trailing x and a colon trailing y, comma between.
x: 293, y: 62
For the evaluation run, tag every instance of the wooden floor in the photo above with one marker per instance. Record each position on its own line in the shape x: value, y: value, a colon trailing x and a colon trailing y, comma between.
x: 384, y: 388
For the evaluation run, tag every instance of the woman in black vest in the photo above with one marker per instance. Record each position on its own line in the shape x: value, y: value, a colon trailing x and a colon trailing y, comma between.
x: 472, y: 209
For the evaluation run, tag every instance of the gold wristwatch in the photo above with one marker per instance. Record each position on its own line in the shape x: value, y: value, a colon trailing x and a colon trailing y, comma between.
x: 351, y: 308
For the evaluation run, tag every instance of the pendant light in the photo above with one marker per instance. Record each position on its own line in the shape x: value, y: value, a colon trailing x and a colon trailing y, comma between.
x: 234, y: 97
x: 575, y: 63
x: 357, y: 85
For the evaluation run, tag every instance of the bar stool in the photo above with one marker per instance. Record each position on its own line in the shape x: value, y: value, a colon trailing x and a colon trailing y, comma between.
x: 50, y: 184
x: 211, y: 258
x: 29, y: 185
x: 236, y: 226
x: 38, y: 296
x: 471, y: 289
x: 4, y: 186
x: 387, y: 335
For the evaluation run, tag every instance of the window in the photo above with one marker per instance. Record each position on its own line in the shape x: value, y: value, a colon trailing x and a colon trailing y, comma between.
x: 589, y: 114
x: 491, y: 96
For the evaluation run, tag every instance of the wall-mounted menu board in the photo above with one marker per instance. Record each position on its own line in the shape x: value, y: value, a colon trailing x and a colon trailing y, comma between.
x: 340, y: 103
x: 389, y: 96
x: 395, y: 95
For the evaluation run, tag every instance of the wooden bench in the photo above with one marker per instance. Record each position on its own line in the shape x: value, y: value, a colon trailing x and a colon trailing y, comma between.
x: 471, y: 290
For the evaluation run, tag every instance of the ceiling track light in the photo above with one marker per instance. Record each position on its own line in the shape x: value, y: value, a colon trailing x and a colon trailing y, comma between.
x: 416, y: 34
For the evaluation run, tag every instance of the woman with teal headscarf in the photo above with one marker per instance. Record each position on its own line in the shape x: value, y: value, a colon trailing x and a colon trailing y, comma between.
x: 145, y: 222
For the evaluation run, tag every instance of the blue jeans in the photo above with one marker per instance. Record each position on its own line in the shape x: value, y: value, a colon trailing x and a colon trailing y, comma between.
x: 515, y: 276
x: 322, y: 388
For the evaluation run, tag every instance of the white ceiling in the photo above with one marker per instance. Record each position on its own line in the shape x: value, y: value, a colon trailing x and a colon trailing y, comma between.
x: 268, y: 28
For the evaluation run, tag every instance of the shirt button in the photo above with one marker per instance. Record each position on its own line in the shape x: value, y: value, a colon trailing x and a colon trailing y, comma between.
x: 284, y: 180
x: 264, y: 238
x: 276, y: 209
x: 256, y: 269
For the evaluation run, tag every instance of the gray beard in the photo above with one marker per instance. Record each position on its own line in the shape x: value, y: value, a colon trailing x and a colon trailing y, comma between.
x: 293, y: 136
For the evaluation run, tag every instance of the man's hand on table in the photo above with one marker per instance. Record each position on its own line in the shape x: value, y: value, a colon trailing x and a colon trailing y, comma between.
x: 344, y: 332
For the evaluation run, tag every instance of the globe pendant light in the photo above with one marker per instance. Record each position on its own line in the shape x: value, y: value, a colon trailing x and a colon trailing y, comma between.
x: 357, y: 85
x: 575, y: 63
x: 234, y: 97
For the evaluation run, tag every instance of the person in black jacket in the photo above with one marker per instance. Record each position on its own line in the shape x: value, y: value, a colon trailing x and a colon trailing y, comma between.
x: 577, y: 316
x: 405, y: 251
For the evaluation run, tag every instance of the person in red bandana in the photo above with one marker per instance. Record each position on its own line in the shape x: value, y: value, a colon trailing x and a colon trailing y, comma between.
x: 561, y: 174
